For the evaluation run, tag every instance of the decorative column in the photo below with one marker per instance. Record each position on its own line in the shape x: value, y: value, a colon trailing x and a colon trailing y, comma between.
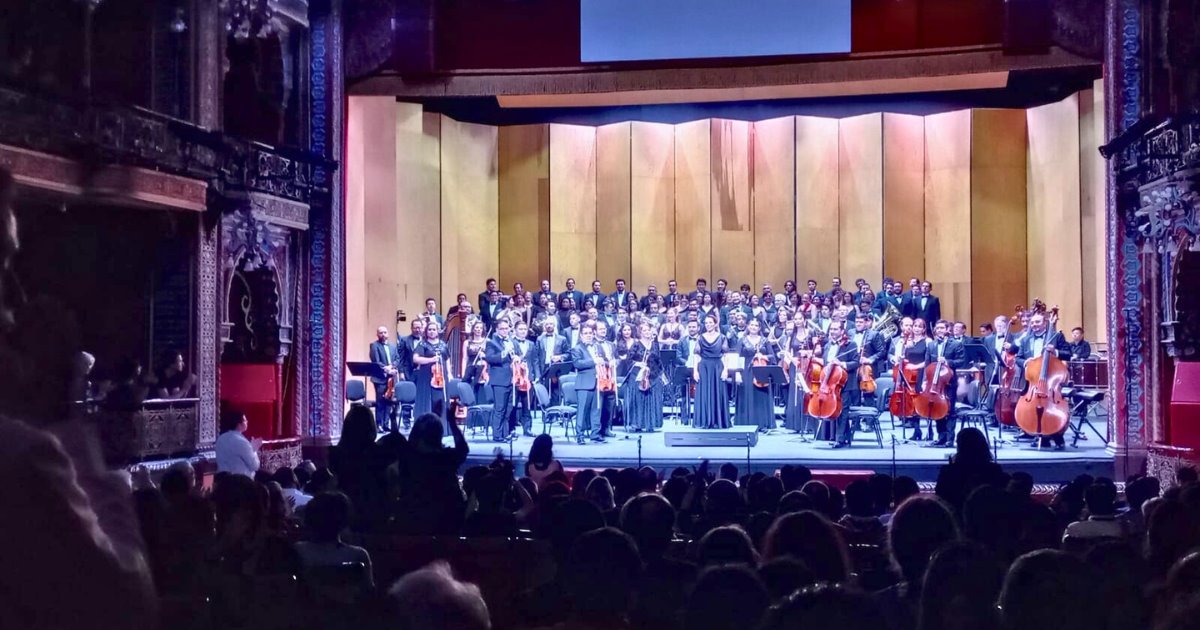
x: 325, y: 332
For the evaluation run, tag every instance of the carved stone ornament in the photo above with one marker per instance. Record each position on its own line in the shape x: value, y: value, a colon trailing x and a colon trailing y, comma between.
x: 258, y: 269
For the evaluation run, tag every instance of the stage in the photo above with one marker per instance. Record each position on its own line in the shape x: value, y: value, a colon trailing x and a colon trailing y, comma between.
x: 784, y: 447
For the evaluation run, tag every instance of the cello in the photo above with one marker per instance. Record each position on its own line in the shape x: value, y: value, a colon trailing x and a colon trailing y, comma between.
x: 1006, y: 396
x: 826, y: 401
x: 866, y: 374
x: 901, y: 404
x: 932, y: 402
x: 1042, y: 409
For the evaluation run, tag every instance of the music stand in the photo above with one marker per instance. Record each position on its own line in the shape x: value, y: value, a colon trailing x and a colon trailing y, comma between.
x: 553, y: 371
x: 978, y: 353
x: 668, y: 356
x: 681, y: 379
x: 770, y: 374
x: 371, y: 371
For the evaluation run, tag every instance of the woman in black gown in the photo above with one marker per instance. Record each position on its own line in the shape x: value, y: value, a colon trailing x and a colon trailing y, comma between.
x: 644, y: 407
x: 431, y: 350
x: 712, y: 402
x: 755, y: 406
x: 475, y: 374
x: 914, y: 352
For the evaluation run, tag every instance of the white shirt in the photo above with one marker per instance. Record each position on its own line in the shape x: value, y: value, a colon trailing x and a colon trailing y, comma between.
x: 299, y: 499
x: 235, y: 454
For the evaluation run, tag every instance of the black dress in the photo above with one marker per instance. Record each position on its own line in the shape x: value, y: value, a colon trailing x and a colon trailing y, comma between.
x: 644, y: 408
x: 755, y: 406
x: 712, y: 401
x: 427, y: 395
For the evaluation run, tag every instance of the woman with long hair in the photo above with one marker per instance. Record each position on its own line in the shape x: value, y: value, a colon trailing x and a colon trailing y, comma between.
x: 755, y: 405
x: 430, y: 351
x: 644, y: 388
x: 541, y: 463
x: 475, y: 371
x: 712, y: 399
x: 671, y: 331
x: 431, y: 500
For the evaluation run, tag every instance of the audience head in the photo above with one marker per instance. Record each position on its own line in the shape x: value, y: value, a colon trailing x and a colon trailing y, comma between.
x: 323, y: 480
x: 902, y: 488
x: 1101, y: 499
x: 795, y: 501
x: 972, y: 447
x: 920, y: 526
x: 579, y: 484
x: 600, y: 493
x: 431, y: 599
x: 600, y: 574
x: 327, y: 515
x: 881, y: 492
x: 729, y: 472
x: 859, y: 501
x: 1170, y: 533
x: 570, y: 520
x: 674, y: 491
x: 179, y: 480
x: 650, y: 520
x: 358, y: 431
x: 727, y: 545
x: 726, y: 598
x: 1185, y: 475
x: 426, y: 433
x: 723, y: 500
x: 542, y: 451
x: 825, y: 606
x: 764, y: 494
x: 1050, y: 589
x: 819, y: 493
x: 233, y: 420
x: 810, y: 538
x: 960, y: 589
x: 782, y: 576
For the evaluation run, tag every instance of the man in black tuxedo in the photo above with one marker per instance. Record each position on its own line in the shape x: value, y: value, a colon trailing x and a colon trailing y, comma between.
x: 812, y: 289
x: 873, y: 345
x: 499, y: 356
x: 576, y: 295
x: 587, y: 415
x: 490, y: 310
x: 721, y: 295
x: 385, y: 355
x: 673, y: 296
x: 407, y: 347
x: 954, y: 354
x: 889, y: 295
x: 551, y: 296
x: 596, y: 297
x: 1081, y: 350
x: 841, y: 351
x: 622, y: 297
x: 1039, y: 336
x: 492, y: 287
x: 701, y: 289
x: 651, y: 297
x: 908, y: 307
x: 926, y: 305
x: 548, y: 348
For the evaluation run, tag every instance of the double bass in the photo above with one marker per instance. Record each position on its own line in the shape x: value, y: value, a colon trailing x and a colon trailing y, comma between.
x: 901, y: 403
x: 1043, y: 409
x: 932, y: 402
x: 1005, y: 406
x: 826, y: 401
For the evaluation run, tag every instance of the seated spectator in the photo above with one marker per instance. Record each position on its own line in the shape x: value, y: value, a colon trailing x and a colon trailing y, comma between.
x: 902, y: 488
x: 650, y: 520
x: 600, y: 573
x: 579, y: 483
x: 431, y: 599
x: 1170, y: 534
x: 810, y: 538
x: 1123, y: 576
x: 819, y: 494
x: 825, y: 606
x: 1182, y: 583
x: 322, y: 480
x: 794, y: 501
x: 1051, y: 590
x: 726, y: 598
x: 235, y: 454
x: 541, y: 463
x: 763, y: 495
x: 325, y: 518
x: 600, y: 493
x: 1102, y: 522
x: 920, y: 526
x: 1137, y: 492
x: 881, y: 493
x: 726, y: 545
x: 490, y: 517
x: 992, y: 517
x: 784, y: 576
x: 431, y: 501
x: 971, y: 466
x: 794, y: 476
x: 860, y: 522
x: 244, y: 544
x: 286, y: 478
x: 960, y: 589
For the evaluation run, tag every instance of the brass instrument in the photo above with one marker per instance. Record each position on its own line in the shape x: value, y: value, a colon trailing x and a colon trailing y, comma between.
x: 888, y: 324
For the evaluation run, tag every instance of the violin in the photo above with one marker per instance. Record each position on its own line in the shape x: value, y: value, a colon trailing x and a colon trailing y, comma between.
x: 605, y: 379
x: 520, y: 370
x: 826, y: 402
x: 1042, y: 409
x: 900, y: 404
x: 932, y: 402
x: 644, y: 377
x: 437, y: 378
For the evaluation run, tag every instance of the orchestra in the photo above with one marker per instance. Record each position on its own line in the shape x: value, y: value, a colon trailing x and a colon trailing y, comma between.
x: 631, y: 361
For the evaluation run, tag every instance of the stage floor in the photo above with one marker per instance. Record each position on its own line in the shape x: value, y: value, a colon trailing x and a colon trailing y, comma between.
x: 781, y: 447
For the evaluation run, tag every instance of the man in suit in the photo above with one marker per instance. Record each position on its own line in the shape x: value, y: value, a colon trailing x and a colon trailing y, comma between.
x: 841, y: 351
x: 721, y: 295
x: 889, y: 295
x: 499, y: 356
x: 1081, y: 350
x: 576, y: 296
x: 571, y: 332
x: 926, y: 305
x: 523, y: 401
x: 432, y: 313
x: 908, y: 306
x: 621, y: 296
x: 596, y: 297
x: 812, y: 289
x: 491, y: 310
x: 997, y: 345
x: 650, y: 298
x: 954, y: 355
x: 551, y: 297
x: 873, y: 345
x: 492, y: 287
x: 686, y: 356
x: 701, y: 289
x: 1040, y: 336
x: 549, y: 348
x: 673, y: 296
x: 607, y: 401
x: 587, y: 414
x: 385, y: 355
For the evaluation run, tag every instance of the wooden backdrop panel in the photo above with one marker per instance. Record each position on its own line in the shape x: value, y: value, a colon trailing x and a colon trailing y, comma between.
x: 773, y: 200
x: 693, y: 207
x: 948, y: 211
x: 1091, y: 185
x: 732, y: 218
x: 652, y: 195
x: 999, y: 147
x: 613, y: 245
x: 1055, y: 256
x: 358, y: 326
x: 572, y: 205
x: 524, y: 212
x: 903, y: 197
x: 384, y: 237
x: 816, y: 200
x: 860, y: 199
x: 470, y: 247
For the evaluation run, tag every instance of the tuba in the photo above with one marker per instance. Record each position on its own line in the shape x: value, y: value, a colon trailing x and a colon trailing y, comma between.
x: 888, y: 323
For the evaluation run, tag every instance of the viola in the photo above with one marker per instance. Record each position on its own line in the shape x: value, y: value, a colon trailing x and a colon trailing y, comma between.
x: 437, y: 378
x: 932, y: 402
x: 1042, y: 409
x: 826, y: 402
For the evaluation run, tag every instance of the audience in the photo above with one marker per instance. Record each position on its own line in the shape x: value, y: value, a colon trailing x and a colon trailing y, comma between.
x: 431, y: 599
x: 326, y: 517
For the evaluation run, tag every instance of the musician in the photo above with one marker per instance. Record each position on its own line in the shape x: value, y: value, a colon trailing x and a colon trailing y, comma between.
x: 575, y: 295
x: 712, y: 401
x: 997, y: 343
x: 913, y: 353
x: 986, y: 329
x: 889, y: 296
x: 687, y: 355
x: 485, y: 296
x: 871, y: 342
x: 621, y: 297
x: 650, y: 299
x: 385, y: 355
x: 721, y: 295
x: 914, y: 289
x: 596, y: 297
x: 923, y: 304
x: 490, y: 311
x: 566, y: 306
x: 432, y: 313
x: 755, y: 406
x: 608, y: 315
x: 606, y: 400
x: 706, y: 307
x: 1040, y: 336
x: 812, y: 289
x: 955, y: 355
x: 959, y: 332
x: 701, y: 289
x: 1081, y: 350
x: 671, y: 330
x: 644, y: 389
x: 429, y: 352
x: 583, y: 355
x: 473, y: 356
x: 571, y: 332
x: 545, y: 292
x: 864, y: 288
x: 406, y: 347
x: 673, y: 296
x: 549, y: 348
x: 461, y: 305
x: 499, y: 354
x: 796, y: 352
x: 841, y: 351
x: 522, y: 401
